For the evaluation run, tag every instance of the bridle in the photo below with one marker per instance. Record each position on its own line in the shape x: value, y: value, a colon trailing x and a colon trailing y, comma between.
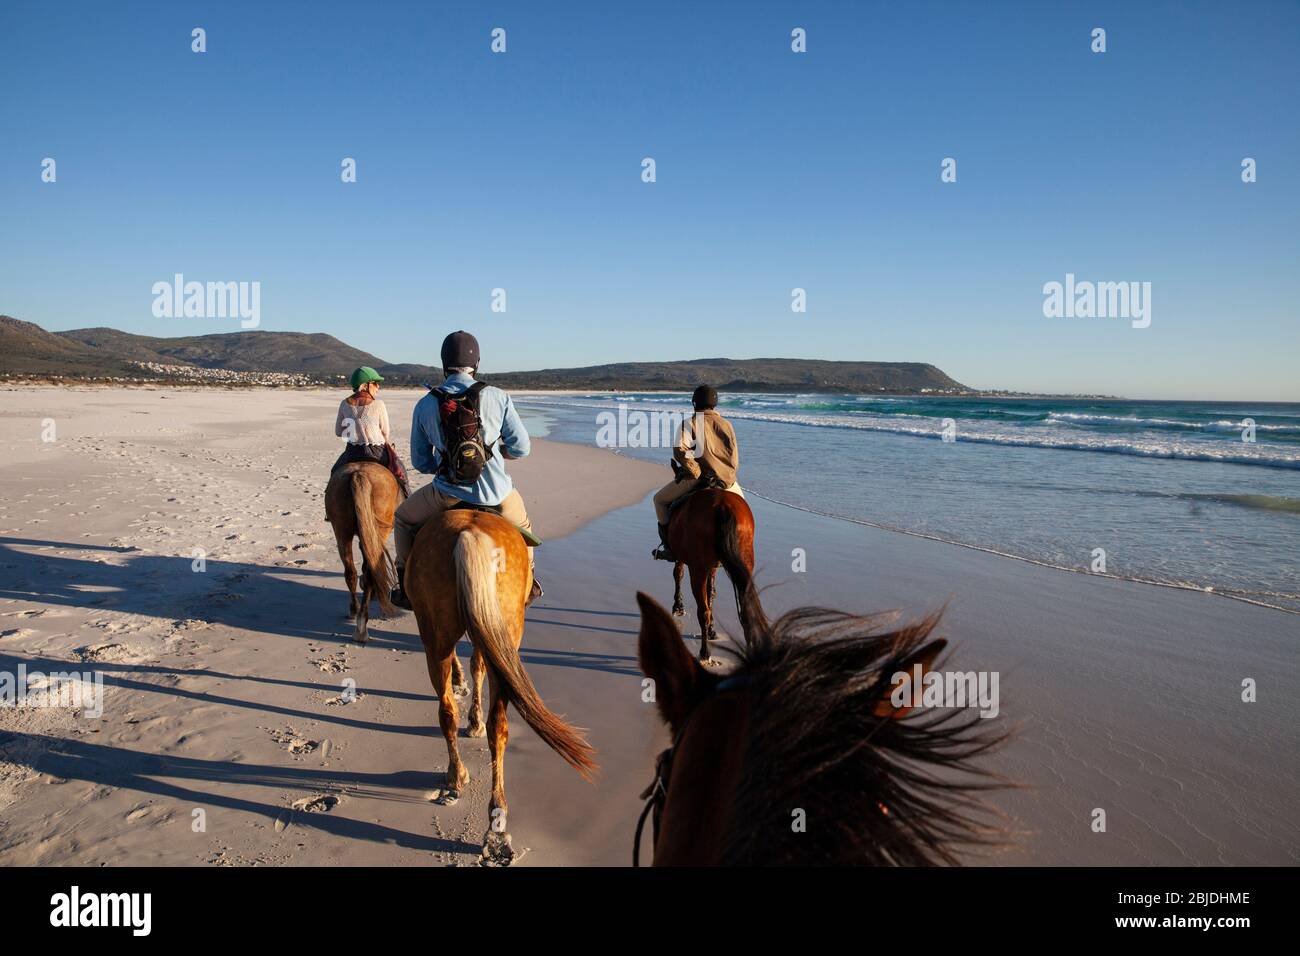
x: 656, y: 795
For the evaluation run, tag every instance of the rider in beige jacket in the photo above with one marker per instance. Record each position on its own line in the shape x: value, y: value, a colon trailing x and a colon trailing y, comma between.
x: 706, y: 447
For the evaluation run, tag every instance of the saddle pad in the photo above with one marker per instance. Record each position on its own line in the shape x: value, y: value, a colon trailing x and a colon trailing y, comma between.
x: 532, y: 539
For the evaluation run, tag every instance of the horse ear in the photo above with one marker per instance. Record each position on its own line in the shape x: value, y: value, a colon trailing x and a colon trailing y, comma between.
x: 900, y: 682
x: 665, y: 659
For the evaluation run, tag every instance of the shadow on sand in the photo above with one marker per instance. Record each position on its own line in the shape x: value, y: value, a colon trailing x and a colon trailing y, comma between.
x: 287, y: 600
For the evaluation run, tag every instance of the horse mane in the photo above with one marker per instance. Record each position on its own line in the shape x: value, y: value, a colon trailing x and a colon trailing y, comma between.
x: 875, y: 791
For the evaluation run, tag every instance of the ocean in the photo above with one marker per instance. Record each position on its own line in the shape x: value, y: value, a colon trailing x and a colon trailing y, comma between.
x: 1169, y: 491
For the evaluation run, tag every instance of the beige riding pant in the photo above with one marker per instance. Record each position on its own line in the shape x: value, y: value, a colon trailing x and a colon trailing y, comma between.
x: 429, y: 502
x: 670, y: 492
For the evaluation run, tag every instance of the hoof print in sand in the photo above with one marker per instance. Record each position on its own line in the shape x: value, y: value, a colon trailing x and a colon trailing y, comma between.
x: 295, y: 743
x: 320, y: 803
x: 317, y: 803
x: 499, y: 851
x: 343, y: 700
x: 335, y: 663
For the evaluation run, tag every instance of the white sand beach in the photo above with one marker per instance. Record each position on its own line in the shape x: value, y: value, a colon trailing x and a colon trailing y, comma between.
x: 224, y: 699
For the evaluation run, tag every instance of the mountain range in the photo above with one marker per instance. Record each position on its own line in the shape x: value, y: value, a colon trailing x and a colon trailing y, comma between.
x: 28, y: 349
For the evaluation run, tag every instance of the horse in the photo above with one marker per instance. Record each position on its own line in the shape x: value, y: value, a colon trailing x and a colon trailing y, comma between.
x: 359, y: 503
x: 708, y: 528
x: 469, y: 573
x: 801, y: 756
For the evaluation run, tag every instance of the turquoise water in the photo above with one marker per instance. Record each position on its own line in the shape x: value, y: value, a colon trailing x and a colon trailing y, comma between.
x: 1169, y: 490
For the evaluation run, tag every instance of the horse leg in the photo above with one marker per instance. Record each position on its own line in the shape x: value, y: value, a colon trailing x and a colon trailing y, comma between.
x: 477, y: 667
x: 496, y: 842
x: 712, y: 593
x: 679, y: 609
x: 349, y: 570
x: 703, y: 609
x: 440, y: 676
x: 362, y: 633
x: 458, y: 682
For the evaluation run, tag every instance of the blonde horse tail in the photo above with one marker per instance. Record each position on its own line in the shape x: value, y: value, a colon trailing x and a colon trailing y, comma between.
x: 378, y: 565
x: 476, y: 588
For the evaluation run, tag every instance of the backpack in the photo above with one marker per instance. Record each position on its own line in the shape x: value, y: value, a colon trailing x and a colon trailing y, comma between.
x: 464, y: 454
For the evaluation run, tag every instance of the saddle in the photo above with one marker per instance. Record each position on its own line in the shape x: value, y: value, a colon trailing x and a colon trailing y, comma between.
x: 703, y: 483
x: 532, y: 540
x: 389, y: 459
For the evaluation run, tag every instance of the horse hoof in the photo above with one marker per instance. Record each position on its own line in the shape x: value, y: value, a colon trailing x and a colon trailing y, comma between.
x: 477, y: 730
x: 461, y: 690
x: 445, y: 798
x: 497, y: 850
x: 679, y: 611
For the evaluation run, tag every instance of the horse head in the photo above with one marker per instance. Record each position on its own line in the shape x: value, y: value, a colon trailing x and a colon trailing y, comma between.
x: 811, y: 751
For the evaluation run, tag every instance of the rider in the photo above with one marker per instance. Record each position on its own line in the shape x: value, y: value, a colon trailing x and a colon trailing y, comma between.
x: 363, y: 421
x: 706, y: 448
x: 503, y: 436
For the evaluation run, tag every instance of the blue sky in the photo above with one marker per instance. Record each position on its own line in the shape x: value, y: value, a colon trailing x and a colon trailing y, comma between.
x: 775, y: 170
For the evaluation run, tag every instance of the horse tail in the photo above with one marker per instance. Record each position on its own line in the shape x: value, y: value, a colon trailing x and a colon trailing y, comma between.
x: 476, y: 589
x: 378, y: 565
x: 753, y: 621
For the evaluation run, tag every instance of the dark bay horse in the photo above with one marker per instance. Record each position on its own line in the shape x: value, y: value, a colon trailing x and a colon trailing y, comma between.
x: 711, y: 528
x: 801, y: 756
x: 359, y: 503
x: 468, y: 572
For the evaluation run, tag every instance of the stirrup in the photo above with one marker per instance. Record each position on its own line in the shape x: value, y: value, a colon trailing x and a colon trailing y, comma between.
x: 398, y: 596
x: 663, y: 552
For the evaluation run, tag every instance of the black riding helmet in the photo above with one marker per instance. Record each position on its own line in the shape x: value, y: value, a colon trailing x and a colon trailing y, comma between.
x: 705, y: 397
x: 460, y: 350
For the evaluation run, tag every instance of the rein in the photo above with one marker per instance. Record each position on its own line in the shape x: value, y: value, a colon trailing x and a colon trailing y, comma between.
x: 656, y: 795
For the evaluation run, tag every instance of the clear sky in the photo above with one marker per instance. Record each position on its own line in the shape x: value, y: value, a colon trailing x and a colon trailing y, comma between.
x: 775, y: 170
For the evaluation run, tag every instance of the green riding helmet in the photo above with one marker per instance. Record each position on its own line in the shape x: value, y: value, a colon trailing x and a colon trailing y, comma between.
x: 363, y: 375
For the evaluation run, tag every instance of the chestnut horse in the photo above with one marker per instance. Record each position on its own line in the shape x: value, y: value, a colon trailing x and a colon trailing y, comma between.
x: 709, y: 528
x: 468, y: 572
x: 359, y: 503
x: 800, y: 755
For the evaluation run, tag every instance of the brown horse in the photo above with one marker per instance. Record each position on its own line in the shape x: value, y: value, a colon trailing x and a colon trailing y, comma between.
x: 709, y: 528
x: 468, y: 572
x: 359, y: 503
x: 799, y: 756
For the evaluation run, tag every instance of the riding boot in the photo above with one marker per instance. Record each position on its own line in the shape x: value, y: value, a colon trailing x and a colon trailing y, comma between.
x: 535, y: 593
x: 398, y: 597
x: 664, y: 552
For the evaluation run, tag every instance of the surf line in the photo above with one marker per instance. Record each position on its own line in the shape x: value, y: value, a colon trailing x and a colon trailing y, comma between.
x: 1020, y: 557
